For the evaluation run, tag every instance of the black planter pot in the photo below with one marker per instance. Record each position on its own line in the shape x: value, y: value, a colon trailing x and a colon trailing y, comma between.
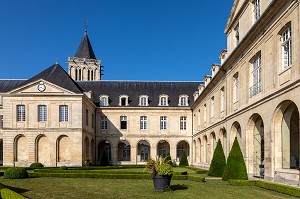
x: 161, y: 182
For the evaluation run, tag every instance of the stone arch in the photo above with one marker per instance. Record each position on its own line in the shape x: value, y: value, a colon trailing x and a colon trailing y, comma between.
x: 255, y: 141
x: 43, y: 150
x: 205, y: 149
x: 86, y: 147
x: 143, y: 151
x: 181, y: 146
x: 104, y: 147
x: 163, y: 148
x: 63, y: 144
x: 93, y: 149
x: 124, y: 151
x: 236, y: 132
x: 223, y: 138
x: 212, y: 138
x: 286, y: 129
x: 21, y: 150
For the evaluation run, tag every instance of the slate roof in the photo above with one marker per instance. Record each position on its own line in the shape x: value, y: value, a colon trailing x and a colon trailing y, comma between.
x: 8, y: 85
x: 85, y: 49
x: 134, y: 89
x: 58, y: 76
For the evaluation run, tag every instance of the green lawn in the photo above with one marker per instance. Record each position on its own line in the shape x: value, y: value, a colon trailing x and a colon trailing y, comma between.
x: 70, y: 188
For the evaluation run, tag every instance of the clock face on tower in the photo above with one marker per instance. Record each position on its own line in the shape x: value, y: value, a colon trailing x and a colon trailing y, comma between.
x: 41, y: 87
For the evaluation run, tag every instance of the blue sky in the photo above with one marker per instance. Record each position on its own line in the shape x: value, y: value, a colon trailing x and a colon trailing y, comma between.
x: 134, y: 39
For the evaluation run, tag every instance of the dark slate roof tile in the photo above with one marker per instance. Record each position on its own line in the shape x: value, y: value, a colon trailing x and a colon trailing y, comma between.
x: 85, y: 49
x: 8, y: 85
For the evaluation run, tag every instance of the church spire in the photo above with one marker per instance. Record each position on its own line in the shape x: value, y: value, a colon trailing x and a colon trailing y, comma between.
x: 85, y: 49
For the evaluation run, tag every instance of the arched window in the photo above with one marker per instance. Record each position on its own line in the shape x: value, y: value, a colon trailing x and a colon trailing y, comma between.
x: 163, y: 100
x: 104, y: 100
x: 123, y: 100
x: 183, y: 100
x: 143, y: 100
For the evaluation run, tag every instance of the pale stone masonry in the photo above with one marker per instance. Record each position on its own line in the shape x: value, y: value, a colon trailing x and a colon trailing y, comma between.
x: 60, y: 118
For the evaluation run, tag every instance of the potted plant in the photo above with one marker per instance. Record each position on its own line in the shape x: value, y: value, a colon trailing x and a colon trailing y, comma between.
x: 161, y: 172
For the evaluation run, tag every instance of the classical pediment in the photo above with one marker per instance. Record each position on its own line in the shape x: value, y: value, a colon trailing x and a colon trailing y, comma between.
x: 41, y: 87
x: 237, y: 5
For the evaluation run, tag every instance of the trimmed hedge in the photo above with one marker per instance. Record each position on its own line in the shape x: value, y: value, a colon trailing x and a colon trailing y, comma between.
x: 218, y: 162
x: 198, y: 170
x: 15, y: 173
x: 183, y: 160
x: 281, y: 188
x: 36, y: 165
x: 9, y: 194
x: 235, y: 168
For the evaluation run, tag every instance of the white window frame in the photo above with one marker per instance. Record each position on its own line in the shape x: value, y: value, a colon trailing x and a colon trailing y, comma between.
x: 286, y: 45
x: 42, y: 113
x: 256, y: 76
x: 212, y: 107
x: 104, y: 100
x: 256, y: 9
x: 21, y: 113
x: 143, y: 100
x: 123, y: 97
x: 103, y: 122
x: 63, y: 113
x: 183, y: 100
x: 123, y: 119
x: 163, y: 100
x: 236, y: 88
x: 183, y: 120
x: 163, y: 122
x: 143, y: 122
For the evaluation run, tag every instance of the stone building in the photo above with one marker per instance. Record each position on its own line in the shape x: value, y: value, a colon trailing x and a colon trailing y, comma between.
x: 60, y: 118
x: 254, y: 94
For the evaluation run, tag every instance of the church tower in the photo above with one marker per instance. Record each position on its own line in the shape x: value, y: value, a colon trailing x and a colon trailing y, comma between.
x: 84, y: 66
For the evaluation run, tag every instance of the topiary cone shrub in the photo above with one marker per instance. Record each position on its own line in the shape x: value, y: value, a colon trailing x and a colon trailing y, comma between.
x: 235, y: 168
x: 183, y: 160
x: 15, y: 173
x: 218, y: 162
x: 36, y: 165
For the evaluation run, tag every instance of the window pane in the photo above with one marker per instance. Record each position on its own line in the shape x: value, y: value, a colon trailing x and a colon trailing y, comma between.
x: 42, y: 113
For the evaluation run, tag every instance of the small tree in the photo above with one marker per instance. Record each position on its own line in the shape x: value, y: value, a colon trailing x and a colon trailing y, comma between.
x: 235, y: 168
x: 169, y: 159
x: 183, y: 160
x: 104, y: 160
x: 218, y: 162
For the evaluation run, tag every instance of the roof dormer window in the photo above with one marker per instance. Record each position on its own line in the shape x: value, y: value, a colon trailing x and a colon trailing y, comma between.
x: 104, y: 100
x: 183, y: 100
x: 163, y: 100
x: 123, y: 100
x: 143, y: 100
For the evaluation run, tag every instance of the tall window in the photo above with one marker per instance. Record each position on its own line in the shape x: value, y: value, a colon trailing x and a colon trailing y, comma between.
x: 183, y: 123
x: 123, y: 122
x: 42, y: 113
x: 63, y: 113
x: 163, y: 122
x: 143, y: 100
x: 256, y: 11
x: 237, y: 34
x: 143, y: 122
x: 222, y: 99
x: 103, y: 123
x: 286, y: 39
x: 104, y: 100
x: 212, y: 107
x: 256, y: 77
x: 236, y: 87
x: 20, y: 113
x: 204, y: 114
x: 86, y: 117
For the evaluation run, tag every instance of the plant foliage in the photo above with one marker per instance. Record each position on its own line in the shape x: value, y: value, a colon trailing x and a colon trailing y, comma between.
x: 15, y: 173
x: 36, y: 165
x: 218, y: 162
x: 183, y: 160
x: 160, y: 166
x: 235, y: 168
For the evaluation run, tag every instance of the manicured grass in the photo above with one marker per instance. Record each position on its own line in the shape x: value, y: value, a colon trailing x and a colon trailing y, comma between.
x: 72, y: 188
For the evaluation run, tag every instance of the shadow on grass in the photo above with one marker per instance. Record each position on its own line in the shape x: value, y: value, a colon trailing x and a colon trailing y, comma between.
x: 16, y: 189
x: 178, y: 187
